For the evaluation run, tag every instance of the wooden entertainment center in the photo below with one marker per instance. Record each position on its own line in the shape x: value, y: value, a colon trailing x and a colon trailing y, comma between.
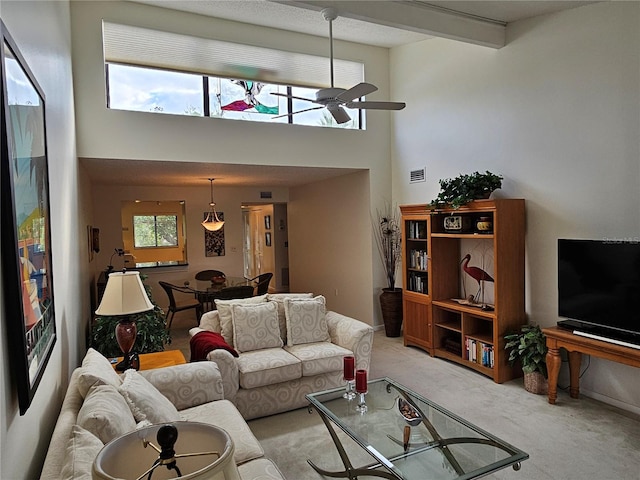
x: 576, y: 345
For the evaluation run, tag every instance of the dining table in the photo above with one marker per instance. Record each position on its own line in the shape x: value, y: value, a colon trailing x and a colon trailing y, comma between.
x: 208, y: 290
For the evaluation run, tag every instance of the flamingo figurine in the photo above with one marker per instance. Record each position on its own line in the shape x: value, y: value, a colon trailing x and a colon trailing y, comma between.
x: 476, y: 273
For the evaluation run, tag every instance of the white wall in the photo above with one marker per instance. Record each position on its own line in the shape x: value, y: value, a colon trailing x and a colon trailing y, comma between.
x: 557, y: 112
x: 106, y: 133
x: 41, y: 31
x: 331, y: 255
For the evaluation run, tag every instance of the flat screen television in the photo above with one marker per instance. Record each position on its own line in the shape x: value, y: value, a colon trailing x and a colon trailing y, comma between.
x: 599, y: 288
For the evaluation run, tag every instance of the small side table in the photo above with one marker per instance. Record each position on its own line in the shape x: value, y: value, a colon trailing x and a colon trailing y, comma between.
x: 167, y: 358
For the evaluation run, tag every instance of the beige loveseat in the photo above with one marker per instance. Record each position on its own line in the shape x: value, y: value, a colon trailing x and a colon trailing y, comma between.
x: 101, y: 405
x: 274, y: 369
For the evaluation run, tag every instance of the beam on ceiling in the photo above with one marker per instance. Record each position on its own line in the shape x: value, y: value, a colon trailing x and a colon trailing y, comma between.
x: 415, y: 16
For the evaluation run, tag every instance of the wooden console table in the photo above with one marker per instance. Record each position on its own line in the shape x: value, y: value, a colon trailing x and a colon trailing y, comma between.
x: 576, y: 345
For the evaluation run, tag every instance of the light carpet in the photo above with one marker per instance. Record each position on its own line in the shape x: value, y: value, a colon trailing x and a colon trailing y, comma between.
x: 574, y: 439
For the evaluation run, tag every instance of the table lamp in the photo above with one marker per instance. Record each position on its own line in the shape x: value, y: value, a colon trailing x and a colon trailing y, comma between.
x: 124, y: 297
x: 186, y: 450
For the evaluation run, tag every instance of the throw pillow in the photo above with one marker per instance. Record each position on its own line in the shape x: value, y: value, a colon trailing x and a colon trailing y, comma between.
x: 145, y: 401
x: 96, y: 370
x: 105, y: 414
x: 224, y: 312
x: 280, y: 298
x: 306, y: 321
x: 82, y: 450
x: 255, y: 327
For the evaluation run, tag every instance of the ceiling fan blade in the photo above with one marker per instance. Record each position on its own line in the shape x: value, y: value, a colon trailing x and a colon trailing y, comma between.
x: 339, y: 114
x: 299, y: 111
x: 377, y: 105
x: 293, y: 96
x: 360, y: 90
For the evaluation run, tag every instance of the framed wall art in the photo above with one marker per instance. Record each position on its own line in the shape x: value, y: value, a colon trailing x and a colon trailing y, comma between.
x: 214, y: 241
x: 267, y: 239
x: 26, y: 227
x: 267, y: 222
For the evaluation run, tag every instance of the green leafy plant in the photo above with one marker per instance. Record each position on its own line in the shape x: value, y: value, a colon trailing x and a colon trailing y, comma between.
x: 151, y: 337
x: 463, y: 189
x: 529, y: 346
x: 389, y: 241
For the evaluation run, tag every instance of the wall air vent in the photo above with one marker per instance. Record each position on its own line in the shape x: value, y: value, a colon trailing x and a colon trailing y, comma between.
x: 418, y: 175
x: 265, y: 195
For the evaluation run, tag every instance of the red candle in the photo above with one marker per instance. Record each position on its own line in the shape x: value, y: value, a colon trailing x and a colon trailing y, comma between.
x: 349, y: 367
x: 361, y: 381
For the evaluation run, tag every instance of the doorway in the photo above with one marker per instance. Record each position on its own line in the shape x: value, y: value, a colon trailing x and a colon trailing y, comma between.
x: 266, y: 243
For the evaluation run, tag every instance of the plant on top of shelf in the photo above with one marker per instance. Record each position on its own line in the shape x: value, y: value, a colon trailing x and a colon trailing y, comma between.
x: 529, y: 346
x: 463, y: 189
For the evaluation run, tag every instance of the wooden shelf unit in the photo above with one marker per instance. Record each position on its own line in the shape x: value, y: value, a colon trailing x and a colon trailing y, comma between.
x: 454, y: 327
x: 416, y: 302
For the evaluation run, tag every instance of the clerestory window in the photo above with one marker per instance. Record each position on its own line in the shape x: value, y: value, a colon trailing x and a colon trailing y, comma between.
x: 152, y: 71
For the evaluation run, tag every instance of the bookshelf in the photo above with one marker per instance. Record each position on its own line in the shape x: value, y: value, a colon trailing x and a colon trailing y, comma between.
x: 492, y: 233
x: 416, y: 302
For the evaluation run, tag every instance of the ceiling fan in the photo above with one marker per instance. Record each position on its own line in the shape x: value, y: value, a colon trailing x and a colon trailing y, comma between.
x: 333, y: 99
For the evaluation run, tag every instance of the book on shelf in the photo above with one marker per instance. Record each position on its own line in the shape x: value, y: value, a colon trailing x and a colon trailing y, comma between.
x: 418, y: 259
x: 417, y: 230
x: 479, y: 352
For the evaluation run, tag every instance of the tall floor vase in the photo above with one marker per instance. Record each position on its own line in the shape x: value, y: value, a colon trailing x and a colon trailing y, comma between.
x: 391, y: 306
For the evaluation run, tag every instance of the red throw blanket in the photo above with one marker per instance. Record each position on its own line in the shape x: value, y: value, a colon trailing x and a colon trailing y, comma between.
x: 204, y: 342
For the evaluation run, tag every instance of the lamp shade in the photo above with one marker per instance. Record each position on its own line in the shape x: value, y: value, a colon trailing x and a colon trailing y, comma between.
x: 127, y: 457
x: 212, y: 222
x: 124, y: 295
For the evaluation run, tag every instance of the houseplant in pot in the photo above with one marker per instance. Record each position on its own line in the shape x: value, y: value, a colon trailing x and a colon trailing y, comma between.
x: 529, y: 348
x: 388, y: 237
x: 463, y: 189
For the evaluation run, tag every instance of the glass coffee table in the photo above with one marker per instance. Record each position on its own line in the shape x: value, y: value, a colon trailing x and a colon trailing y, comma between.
x: 427, y: 442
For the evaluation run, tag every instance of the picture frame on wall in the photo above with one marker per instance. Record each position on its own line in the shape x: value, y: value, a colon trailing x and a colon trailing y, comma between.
x: 26, y: 225
x: 267, y: 222
x: 214, y: 241
x: 267, y: 239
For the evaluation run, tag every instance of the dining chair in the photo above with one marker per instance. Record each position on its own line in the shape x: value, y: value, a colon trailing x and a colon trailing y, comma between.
x: 209, y: 274
x: 178, y: 304
x: 262, y: 283
x: 239, y: 291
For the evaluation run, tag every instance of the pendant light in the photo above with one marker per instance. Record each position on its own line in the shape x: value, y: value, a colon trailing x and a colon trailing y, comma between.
x: 212, y: 222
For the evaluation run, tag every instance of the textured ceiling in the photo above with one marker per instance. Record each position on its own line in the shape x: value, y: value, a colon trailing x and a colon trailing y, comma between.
x: 191, y: 174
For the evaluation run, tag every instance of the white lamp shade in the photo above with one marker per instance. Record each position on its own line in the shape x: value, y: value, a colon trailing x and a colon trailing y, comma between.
x: 127, y: 458
x: 124, y: 295
x: 212, y: 222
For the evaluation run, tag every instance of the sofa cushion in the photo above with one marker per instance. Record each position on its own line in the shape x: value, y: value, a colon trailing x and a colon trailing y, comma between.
x: 145, y: 401
x: 320, y: 357
x: 260, y: 469
x: 82, y: 449
x: 225, y: 415
x: 209, y: 321
x: 266, y: 367
x: 255, y: 327
x: 96, y: 370
x: 225, y: 314
x: 306, y: 322
x: 282, y: 319
x: 105, y: 413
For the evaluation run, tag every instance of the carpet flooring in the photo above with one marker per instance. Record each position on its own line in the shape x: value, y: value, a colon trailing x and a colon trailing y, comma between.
x: 575, y: 439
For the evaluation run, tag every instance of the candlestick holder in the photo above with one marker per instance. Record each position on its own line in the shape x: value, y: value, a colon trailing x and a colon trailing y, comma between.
x: 349, y: 376
x: 361, y: 389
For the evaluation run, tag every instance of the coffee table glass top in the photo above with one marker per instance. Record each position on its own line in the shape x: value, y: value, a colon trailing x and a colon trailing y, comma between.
x: 441, y: 446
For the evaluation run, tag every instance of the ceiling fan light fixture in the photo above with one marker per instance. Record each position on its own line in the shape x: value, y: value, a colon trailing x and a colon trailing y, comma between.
x: 212, y: 223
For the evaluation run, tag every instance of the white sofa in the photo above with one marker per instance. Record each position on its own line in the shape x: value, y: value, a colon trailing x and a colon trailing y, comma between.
x: 114, y: 404
x: 265, y: 381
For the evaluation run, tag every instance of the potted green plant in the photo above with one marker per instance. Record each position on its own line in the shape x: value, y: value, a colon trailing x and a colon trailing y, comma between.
x: 388, y: 237
x: 529, y: 348
x: 151, y: 337
x: 463, y: 189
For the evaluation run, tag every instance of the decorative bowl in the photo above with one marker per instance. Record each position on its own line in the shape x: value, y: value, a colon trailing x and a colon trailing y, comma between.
x: 408, y: 412
x: 219, y: 279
